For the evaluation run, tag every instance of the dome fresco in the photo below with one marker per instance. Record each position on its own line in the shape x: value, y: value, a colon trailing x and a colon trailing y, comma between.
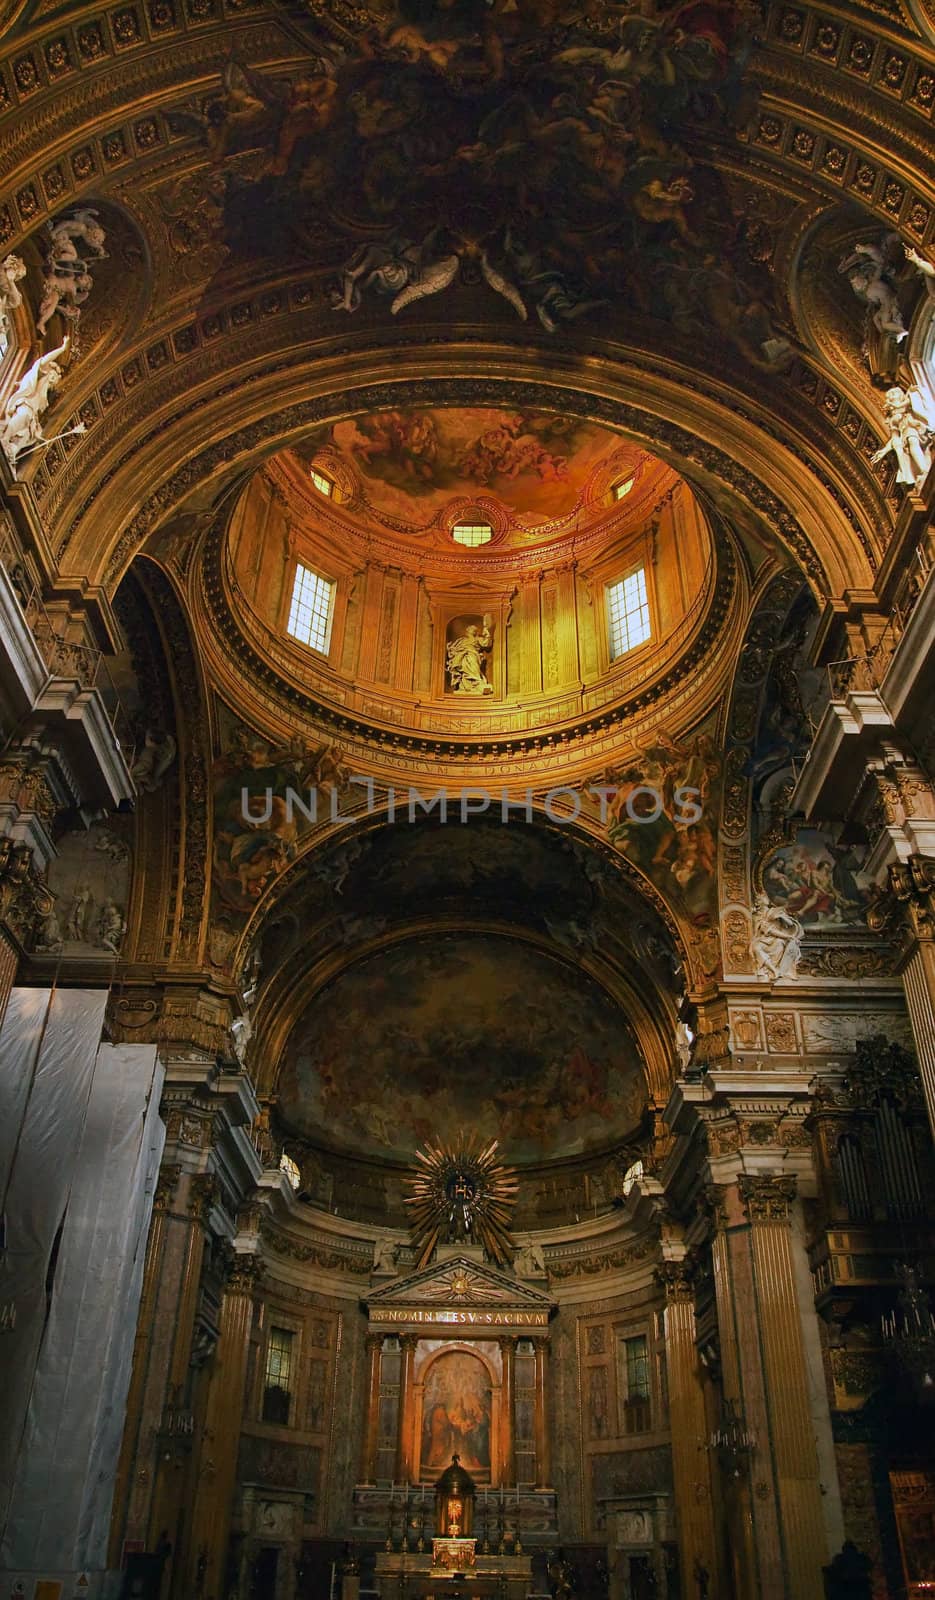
x: 413, y: 462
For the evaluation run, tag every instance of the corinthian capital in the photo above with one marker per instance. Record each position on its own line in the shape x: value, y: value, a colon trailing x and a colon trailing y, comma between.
x: 766, y: 1197
x: 907, y: 906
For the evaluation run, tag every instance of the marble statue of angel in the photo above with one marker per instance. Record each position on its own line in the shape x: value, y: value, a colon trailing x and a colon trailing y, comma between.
x: 51, y: 940
x: 910, y: 435
x: 241, y: 1032
x: 867, y: 272
x: 466, y: 659
x: 12, y: 271
x: 153, y: 761
x: 398, y: 267
x: 776, y: 942
x: 21, y: 424
x: 110, y: 928
x: 924, y: 268
x: 64, y: 291
x: 81, y: 224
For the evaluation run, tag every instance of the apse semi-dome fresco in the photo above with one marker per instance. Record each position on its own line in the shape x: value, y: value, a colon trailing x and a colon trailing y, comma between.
x: 430, y: 1036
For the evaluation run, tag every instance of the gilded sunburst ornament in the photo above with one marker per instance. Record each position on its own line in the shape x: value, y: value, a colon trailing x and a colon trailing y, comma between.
x: 462, y: 1194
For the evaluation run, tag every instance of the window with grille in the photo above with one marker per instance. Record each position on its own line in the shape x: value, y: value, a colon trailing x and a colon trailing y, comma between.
x: 322, y: 484
x: 277, y: 1387
x: 471, y: 534
x: 310, y: 610
x: 636, y: 1407
x: 628, y: 613
x: 622, y: 489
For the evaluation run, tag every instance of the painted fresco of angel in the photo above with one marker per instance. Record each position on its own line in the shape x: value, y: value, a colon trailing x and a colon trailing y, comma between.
x: 245, y: 107
x: 554, y: 297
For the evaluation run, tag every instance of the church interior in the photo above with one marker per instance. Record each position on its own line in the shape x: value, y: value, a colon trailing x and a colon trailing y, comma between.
x: 467, y: 799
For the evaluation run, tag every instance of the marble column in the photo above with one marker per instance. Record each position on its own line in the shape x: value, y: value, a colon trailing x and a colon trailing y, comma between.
x: 543, y: 1452
x: 217, y: 1467
x: 750, y: 1544
x: 691, y: 1468
x: 160, y: 1477
x: 368, y: 1464
x: 507, y: 1408
x: 908, y: 913
x: 767, y: 1200
x: 408, y: 1344
x: 165, y: 1189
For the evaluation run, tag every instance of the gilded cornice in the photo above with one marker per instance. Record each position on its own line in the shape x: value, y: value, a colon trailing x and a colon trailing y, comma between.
x: 136, y: 402
x: 147, y: 402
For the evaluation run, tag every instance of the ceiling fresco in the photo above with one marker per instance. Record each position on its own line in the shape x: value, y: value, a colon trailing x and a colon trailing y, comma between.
x: 414, y: 462
x: 537, y: 151
x: 429, y: 1036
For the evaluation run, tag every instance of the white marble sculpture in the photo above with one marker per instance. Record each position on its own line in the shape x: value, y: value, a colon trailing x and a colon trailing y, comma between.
x: 153, y: 761
x: 385, y: 1252
x: 241, y: 1034
x: 466, y: 659
x: 110, y: 928
x: 776, y: 941
x: 12, y: 271
x: 910, y: 435
x: 65, y: 290
x: 50, y: 940
x: 79, y: 911
x: 866, y: 269
x: 923, y: 267
x: 21, y: 424
x: 81, y: 224
x: 529, y: 1262
x: 68, y: 281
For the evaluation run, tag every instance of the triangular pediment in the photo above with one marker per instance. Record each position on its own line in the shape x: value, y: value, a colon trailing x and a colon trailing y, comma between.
x: 456, y: 1283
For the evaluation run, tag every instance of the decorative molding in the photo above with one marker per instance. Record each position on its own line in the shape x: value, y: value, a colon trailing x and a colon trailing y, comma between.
x: 766, y: 1197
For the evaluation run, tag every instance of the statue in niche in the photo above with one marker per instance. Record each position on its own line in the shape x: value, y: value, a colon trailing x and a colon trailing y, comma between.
x: 910, y: 435
x: 776, y: 939
x: 466, y: 658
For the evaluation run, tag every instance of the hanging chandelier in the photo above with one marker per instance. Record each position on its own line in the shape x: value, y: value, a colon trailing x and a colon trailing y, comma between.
x: 732, y: 1441
x: 910, y: 1332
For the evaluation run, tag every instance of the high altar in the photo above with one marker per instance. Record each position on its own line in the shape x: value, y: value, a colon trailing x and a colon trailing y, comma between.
x: 456, y: 1452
